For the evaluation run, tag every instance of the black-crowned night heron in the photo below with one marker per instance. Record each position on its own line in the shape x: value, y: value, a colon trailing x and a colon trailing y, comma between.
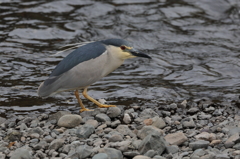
x: 86, y: 65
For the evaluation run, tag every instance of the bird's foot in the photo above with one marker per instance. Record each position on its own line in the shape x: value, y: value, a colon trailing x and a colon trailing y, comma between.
x: 106, y: 106
x: 85, y: 109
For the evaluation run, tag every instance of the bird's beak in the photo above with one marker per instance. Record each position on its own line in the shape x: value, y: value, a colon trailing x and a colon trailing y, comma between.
x: 139, y: 54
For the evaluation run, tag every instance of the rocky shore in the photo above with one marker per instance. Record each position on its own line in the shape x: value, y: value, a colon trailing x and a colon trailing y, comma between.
x: 187, y: 130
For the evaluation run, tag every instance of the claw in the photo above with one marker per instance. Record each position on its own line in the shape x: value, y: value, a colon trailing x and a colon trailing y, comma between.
x: 106, y: 106
x: 82, y: 110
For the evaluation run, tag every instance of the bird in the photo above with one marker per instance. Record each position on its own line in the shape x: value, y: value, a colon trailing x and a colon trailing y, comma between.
x: 85, y: 66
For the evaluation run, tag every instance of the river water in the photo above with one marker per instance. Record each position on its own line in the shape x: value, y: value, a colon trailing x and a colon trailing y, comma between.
x: 194, y: 45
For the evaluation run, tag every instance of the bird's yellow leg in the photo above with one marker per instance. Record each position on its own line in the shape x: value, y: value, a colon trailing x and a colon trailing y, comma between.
x: 80, y: 102
x: 94, y: 101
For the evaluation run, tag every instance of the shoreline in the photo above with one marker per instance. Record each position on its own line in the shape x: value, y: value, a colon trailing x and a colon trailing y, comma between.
x: 187, y: 130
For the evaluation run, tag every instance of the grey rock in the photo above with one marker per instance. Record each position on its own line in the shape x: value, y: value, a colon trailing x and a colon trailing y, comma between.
x: 101, y: 156
x: 82, y: 152
x: 2, y: 155
x: 237, y: 146
x: 177, y: 138
x: 233, y: 131
x: 34, y: 135
x: 115, y: 123
x: 56, y: 144
x: 193, y: 110
x: 146, y: 130
x: 112, y: 153
x: 85, y: 131
x: 158, y: 157
x: 22, y: 153
x: 199, y: 144
x: 69, y: 120
x: 131, y: 153
x: 222, y: 156
x: 147, y: 113
x: 141, y: 157
x: 126, y: 118
x: 92, y: 122
x: 172, y: 149
x: 152, y: 142
x: 48, y: 138
x: 150, y: 153
x: 173, y: 106
x: 158, y: 122
x: 136, y: 144
x: 2, y: 120
x: 204, y: 116
x: 116, y: 138
x: 36, y: 130
x: 124, y: 130
x: 102, y: 117
x: 34, y: 123
x: 41, y: 145
x: 58, y: 115
x: 113, y: 112
x: 188, y: 123
x: 23, y: 127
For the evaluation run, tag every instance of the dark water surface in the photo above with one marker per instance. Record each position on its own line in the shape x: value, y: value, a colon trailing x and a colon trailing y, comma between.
x: 195, y: 45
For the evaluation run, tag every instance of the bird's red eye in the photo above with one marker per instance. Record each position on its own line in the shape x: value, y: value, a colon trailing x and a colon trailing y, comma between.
x: 123, y: 47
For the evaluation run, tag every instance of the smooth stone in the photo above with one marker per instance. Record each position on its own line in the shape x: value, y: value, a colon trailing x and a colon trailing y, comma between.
x: 146, y: 130
x: 115, y: 138
x: 58, y: 115
x: 36, y: 130
x: 113, y: 112
x: 41, y: 145
x: 13, y: 136
x: 172, y: 106
x: 22, y: 153
x: 124, y: 130
x: 158, y: 122
x: 2, y: 120
x: 199, y: 144
x: 141, y: 157
x: 126, y: 118
x: 85, y: 131
x: 152, y: 142
x: 172, y: 149
x: 131, y: 153
x: 147, y: 113
x: 193, y: 110
x: 206, y: 136
x: 150, y: 153
x: 100, y: 156
x: 82, y: 151
x: 177, y: 138
x: 56, y: 144
x: 102, y: 117
x: 231, y: 140
x: 188, y: 123
x: 69, y: 121
x: 112, y: 153
x: 92, y: 122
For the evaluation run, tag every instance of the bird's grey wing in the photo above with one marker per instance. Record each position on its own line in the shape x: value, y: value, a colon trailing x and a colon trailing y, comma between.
x: 81, y: 54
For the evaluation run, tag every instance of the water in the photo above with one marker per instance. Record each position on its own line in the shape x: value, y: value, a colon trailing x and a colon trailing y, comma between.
x: 194, y: 46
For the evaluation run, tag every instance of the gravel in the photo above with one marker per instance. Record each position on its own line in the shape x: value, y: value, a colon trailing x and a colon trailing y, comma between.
x: 187, y: 130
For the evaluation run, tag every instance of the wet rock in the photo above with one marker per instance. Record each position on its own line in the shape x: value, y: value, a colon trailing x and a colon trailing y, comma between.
x: 22, y: 153
x: 177, y: 138
x: 56, y: 144
x: 113, y: 112
x: 102, y: 117
x: 100, y: 156
x: 85, y: 131
x: 158, y: 122
x: 199, y: 144
x: 146, y: 130
x: 152, y: 142
x: 147, y: 113
x: 127, y: 119
x: 112, y: 153
x: 69, y: 120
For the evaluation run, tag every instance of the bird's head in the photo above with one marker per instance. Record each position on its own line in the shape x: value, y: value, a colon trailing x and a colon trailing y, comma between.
x: 122, y: 49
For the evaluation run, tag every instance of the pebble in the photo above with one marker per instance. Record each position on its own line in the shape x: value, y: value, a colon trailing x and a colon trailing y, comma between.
x: 107, y: 133
x: 69, y: 120
x: 177, y: 138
